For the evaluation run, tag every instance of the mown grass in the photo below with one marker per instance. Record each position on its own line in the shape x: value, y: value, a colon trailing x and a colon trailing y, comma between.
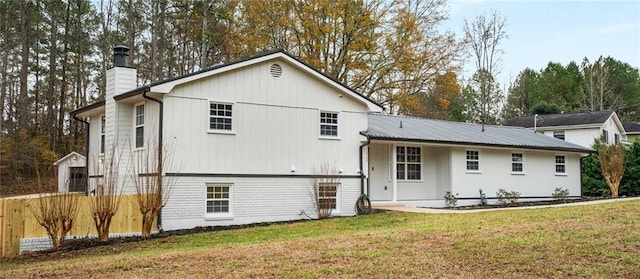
x: 595, y: 241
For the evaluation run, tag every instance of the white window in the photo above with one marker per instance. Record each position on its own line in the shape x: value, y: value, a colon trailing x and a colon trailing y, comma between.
x: 517, y: 162
x: 328, y: 124
x: 558, y: 134
x: 616, y: 137
x: 408, y: 163
x: 473, y: 160
x: 328, y: 195
x: 218, y: 199
x: 561, y: 165
x: 139, y: 125
x: 221, y: 117
x: 605, y: 135
x: 102, y: 138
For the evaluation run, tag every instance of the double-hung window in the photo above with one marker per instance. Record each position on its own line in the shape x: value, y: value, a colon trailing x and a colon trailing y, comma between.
x: 605, y: 135
x: 408, y: 163
x: 328, y: 124
x: 561, y: 164
x: 218, y: 199
x: 139, y: 126
x: 473, y: 160
x: 517, y: 163
x: 328, y: 195
x: 102, y: 134
x: 221, y: 117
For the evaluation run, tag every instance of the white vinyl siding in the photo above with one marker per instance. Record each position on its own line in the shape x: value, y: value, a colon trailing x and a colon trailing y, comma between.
x: 517, y: 163
x: 561, y: 164
x: 139, y: 126
x: 329, y: 124
x: 408, y: 163
x: 221, y: 117
x: 473, y: 161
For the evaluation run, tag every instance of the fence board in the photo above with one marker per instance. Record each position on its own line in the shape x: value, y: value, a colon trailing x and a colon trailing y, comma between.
x: 17, y: 221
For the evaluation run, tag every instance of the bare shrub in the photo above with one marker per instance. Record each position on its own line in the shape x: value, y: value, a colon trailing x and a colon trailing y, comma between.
x: 56, y: 213
x: 506, y: 197
x: 152, y: 187
x: 324, y: 185
x: 106, y: 197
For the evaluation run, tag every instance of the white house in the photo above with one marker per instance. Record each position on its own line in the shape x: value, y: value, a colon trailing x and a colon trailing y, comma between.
x: 72, y: 173
x: 247, y: 139
x: 580, y: 128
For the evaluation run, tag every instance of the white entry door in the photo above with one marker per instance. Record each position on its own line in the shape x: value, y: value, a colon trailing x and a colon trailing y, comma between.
x: 380, y: 185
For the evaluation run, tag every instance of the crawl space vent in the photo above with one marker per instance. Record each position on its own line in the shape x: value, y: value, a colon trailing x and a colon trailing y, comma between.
x: 276, y: 71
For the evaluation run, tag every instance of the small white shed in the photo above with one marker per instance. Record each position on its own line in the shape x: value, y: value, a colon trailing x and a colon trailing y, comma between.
x: 72, y: 173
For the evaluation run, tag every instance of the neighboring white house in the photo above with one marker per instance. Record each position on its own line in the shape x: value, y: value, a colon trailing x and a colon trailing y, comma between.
x: 580, y: 128
x: 72, y: 173
x: 247, y: 139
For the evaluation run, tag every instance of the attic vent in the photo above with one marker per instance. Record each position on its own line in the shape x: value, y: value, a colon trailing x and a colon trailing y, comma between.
x: 276, y: 71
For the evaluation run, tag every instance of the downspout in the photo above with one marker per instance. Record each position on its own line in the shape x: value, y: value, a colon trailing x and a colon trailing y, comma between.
x: 362, y: 165
x: 160, y: 147
x: 86, y: 158
x: 363, y: 204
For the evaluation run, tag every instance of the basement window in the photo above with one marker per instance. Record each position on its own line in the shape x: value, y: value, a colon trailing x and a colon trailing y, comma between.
x: 218, y: 200
x: 328, y: 195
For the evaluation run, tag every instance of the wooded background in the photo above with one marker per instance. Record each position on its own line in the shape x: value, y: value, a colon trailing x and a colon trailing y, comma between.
x: 55, y: 54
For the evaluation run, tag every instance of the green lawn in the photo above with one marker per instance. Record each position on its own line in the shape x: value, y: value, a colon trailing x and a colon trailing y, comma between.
x: 601, y: 241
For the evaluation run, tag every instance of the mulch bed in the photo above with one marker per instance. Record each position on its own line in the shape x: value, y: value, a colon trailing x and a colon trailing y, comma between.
x: 525, y: 204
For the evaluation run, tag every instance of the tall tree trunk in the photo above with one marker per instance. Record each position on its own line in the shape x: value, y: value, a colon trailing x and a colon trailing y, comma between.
x: 61, y: 147
x: 53, y: 65
x: 22, y: 101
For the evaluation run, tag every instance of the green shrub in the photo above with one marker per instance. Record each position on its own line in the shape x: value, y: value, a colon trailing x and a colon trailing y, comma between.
x: 506, y: 197
x: 450, y: 199
x: 560, y: 194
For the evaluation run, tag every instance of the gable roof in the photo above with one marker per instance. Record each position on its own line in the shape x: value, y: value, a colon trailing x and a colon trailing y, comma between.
x: 403, y: 128
x: 165, y: 86
x: 562, y: 119
x: 73, y: 153
x: 632, y: 128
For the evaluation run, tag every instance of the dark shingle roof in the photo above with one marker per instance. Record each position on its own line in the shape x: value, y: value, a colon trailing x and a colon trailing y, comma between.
x: 631, y: 127
x: 563, y: 119
x: 402, y: 128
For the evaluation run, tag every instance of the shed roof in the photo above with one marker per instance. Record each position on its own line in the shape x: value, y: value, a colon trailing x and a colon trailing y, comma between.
x: 403, y: 128
x: 563, y: 119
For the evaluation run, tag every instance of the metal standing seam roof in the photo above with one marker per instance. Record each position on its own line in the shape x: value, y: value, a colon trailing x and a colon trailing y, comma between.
x: 403, y: 128
x: 563, y: 119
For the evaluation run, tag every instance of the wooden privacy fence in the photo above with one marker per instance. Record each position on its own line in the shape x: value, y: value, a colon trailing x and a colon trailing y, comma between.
x: 17, y: 222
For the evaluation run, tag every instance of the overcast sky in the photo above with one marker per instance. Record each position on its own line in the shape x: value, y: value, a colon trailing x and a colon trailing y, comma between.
x: 559, y: 31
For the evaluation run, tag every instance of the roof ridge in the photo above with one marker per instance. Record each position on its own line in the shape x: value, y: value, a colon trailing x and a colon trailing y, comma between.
x: 446, y: 121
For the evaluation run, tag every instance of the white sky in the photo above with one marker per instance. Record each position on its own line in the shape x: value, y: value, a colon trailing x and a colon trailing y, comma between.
x: 558, y: 31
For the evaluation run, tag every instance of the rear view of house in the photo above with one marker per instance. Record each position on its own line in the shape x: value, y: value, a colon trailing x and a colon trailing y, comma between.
x: 246, y: 138
x: 249, y: 140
